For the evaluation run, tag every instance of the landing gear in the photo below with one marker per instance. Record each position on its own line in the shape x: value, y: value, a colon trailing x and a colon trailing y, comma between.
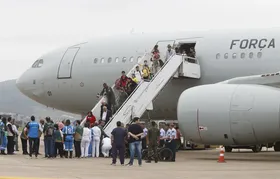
x: 277, y: 146
x: 228, y: 148
x: 257, y: 148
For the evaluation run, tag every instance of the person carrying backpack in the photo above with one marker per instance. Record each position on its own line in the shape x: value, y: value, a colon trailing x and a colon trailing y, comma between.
x: 49, y: 138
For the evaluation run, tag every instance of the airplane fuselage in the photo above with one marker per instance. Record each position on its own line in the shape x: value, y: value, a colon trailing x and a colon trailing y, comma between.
x: 221, y: 54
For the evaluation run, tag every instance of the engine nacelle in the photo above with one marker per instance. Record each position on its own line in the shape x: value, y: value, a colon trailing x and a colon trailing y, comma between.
x: 228, y: 114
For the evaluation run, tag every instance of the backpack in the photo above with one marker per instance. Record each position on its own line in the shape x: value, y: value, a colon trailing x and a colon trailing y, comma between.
x: 50, y: 130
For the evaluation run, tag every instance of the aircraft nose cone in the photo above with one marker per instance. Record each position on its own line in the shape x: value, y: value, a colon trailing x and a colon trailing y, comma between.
x: 20, y: 84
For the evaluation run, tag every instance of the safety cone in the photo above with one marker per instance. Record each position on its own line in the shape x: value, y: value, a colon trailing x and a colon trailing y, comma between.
x: 222, y: 155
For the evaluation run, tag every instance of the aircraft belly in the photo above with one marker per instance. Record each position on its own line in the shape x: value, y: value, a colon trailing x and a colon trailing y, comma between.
x: 165, y: 104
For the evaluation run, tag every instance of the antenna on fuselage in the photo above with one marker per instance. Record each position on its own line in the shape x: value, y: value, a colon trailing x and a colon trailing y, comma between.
x: 132, y: 30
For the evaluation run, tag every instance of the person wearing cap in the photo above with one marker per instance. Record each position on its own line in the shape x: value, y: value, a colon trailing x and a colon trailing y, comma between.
x: 169, y: 53
x: 48, y: 138
x: 33, y: 133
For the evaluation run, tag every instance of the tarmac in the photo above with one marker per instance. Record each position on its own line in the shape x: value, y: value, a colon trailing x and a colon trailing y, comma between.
x: 200, y: 164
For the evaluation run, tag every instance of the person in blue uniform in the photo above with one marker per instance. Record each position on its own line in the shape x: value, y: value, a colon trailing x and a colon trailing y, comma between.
x: 33, y: 136
x: 68, y: 132
x: 3, y: 136
x: 171, y: 134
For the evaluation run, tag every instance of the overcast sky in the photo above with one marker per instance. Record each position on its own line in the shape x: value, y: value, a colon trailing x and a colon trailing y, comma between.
x: 30, y: 28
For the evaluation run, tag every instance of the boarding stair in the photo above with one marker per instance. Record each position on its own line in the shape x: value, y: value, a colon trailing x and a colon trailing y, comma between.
x: 142, y: 97
x: 96, y: 109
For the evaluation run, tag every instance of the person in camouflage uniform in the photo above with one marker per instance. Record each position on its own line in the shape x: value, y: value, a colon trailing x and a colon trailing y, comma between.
x: 152, y: 141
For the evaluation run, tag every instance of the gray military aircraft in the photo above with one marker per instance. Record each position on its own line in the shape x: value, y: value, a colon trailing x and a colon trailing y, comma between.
x: 227, y: 95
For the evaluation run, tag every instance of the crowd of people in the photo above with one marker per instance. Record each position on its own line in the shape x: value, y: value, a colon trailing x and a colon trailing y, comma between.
x: 62, y: 138
x: 126, y: 85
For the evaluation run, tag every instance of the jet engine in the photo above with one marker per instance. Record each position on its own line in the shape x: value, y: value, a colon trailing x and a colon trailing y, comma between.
x: 229, y: 114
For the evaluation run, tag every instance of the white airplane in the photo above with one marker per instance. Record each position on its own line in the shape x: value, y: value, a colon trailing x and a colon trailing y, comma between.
x: 225, y: 98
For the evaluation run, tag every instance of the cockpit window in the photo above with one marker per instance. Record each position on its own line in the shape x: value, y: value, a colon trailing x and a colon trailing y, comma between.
x: 38, y: 63
x: 35, y: 64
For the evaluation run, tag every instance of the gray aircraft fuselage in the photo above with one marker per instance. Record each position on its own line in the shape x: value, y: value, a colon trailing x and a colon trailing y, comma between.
x: 221, y: 54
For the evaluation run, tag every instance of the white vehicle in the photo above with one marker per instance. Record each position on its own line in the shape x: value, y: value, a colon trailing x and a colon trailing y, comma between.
x: 230, y: 88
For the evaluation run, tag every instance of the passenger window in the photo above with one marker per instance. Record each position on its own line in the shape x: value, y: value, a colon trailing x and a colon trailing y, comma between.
x: 109, y: 60
x: 131, y: 59
x: 218, y: 56
x: 234, y: 56
x: 124, y: 59
x: 117, y: 59
x: 226, y: 56
x: 139, y: 59
x: 259, y: 54
x: 95, y: 60
x: 242, y: 55
x: 251, y: 55
x: 102, y: 60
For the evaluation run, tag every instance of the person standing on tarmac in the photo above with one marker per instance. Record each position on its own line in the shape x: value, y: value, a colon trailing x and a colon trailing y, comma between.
x: 3, y: 135
x: 96, y: 133
x: 162, y: 135
x: 171, y: 140
x: 118, y: 143
x: 24, y: 137
x: 144, y: 136
x: 68, y: 132
x: 152, y: 141
x: 49, y: 139
x: 33, y: 136
x: 135, y: 132
x: 78, y: 138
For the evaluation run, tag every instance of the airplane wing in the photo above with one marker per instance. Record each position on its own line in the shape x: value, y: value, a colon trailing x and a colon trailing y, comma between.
x: 270, y: 79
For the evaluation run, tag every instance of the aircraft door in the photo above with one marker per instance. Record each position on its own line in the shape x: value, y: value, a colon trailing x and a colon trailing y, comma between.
x: 242, y: 130
x: 162, y: 47
x: 190, y: 67
x: 66, y: 63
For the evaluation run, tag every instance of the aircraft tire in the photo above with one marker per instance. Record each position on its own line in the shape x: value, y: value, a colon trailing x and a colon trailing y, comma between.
x: 165, y: 154
x: 145, y: 154
x: 277, y: 146
x: 257, y: 148
x: 228, y: 148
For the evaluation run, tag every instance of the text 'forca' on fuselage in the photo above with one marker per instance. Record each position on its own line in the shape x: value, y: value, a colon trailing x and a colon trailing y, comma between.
x: 253, y: 43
